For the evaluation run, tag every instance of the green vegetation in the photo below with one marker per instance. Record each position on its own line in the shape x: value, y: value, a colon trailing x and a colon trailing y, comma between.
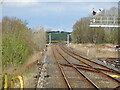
x: 18, y: 41
x: 57, y: 37
x: 55, y: 41
x: 14, y: 51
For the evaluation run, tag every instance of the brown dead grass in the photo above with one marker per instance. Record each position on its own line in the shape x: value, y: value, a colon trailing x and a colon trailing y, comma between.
x: 28, y: 70
x: 95, y: 51
x: 28, y: 64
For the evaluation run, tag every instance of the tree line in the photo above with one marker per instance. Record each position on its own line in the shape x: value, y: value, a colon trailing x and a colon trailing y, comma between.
x: 83, y: 33
x: 19, y: 41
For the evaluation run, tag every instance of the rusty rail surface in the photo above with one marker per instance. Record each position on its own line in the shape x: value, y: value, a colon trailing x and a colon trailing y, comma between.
x: 77, y: 70
x: 63, y: 73
x: 89, y: 67
x: 77, y: 57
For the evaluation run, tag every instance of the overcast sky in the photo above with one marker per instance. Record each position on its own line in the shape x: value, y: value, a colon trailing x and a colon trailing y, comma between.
x: 53, y: 15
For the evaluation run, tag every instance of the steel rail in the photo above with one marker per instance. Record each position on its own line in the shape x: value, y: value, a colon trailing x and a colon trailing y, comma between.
x: 80, y: 68
x: 91, y: 66
x: 92, y: 83
x: 68, y: 52
x: 98, y: 69
x: 85, y: 59
x: 63, y: 73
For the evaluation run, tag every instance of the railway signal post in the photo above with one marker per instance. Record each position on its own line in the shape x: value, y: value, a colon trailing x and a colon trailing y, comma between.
x: 106, y: 22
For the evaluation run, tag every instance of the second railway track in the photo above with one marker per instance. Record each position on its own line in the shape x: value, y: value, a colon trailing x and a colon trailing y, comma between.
x: 91, y: 64
x: 84, y: 75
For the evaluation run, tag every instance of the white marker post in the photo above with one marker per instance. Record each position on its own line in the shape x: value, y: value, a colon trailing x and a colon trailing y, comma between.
x: 49, y: 38
x: 68, y: 38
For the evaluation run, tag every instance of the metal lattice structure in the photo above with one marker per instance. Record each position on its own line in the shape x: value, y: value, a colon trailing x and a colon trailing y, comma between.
x: 108, y: 21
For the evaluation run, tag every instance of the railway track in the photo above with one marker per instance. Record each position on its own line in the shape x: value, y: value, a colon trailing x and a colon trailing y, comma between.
x: 72, y: 76
x: 95, y: 77
x: 91, y: 64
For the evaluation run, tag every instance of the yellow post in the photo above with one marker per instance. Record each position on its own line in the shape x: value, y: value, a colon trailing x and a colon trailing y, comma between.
x: 20, y: 78
x: 21, y: 81
x: 5, y: 81
x: 12, y: 84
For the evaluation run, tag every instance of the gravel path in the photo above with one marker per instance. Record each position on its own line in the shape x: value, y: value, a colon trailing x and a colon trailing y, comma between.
x: 50, y: 76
